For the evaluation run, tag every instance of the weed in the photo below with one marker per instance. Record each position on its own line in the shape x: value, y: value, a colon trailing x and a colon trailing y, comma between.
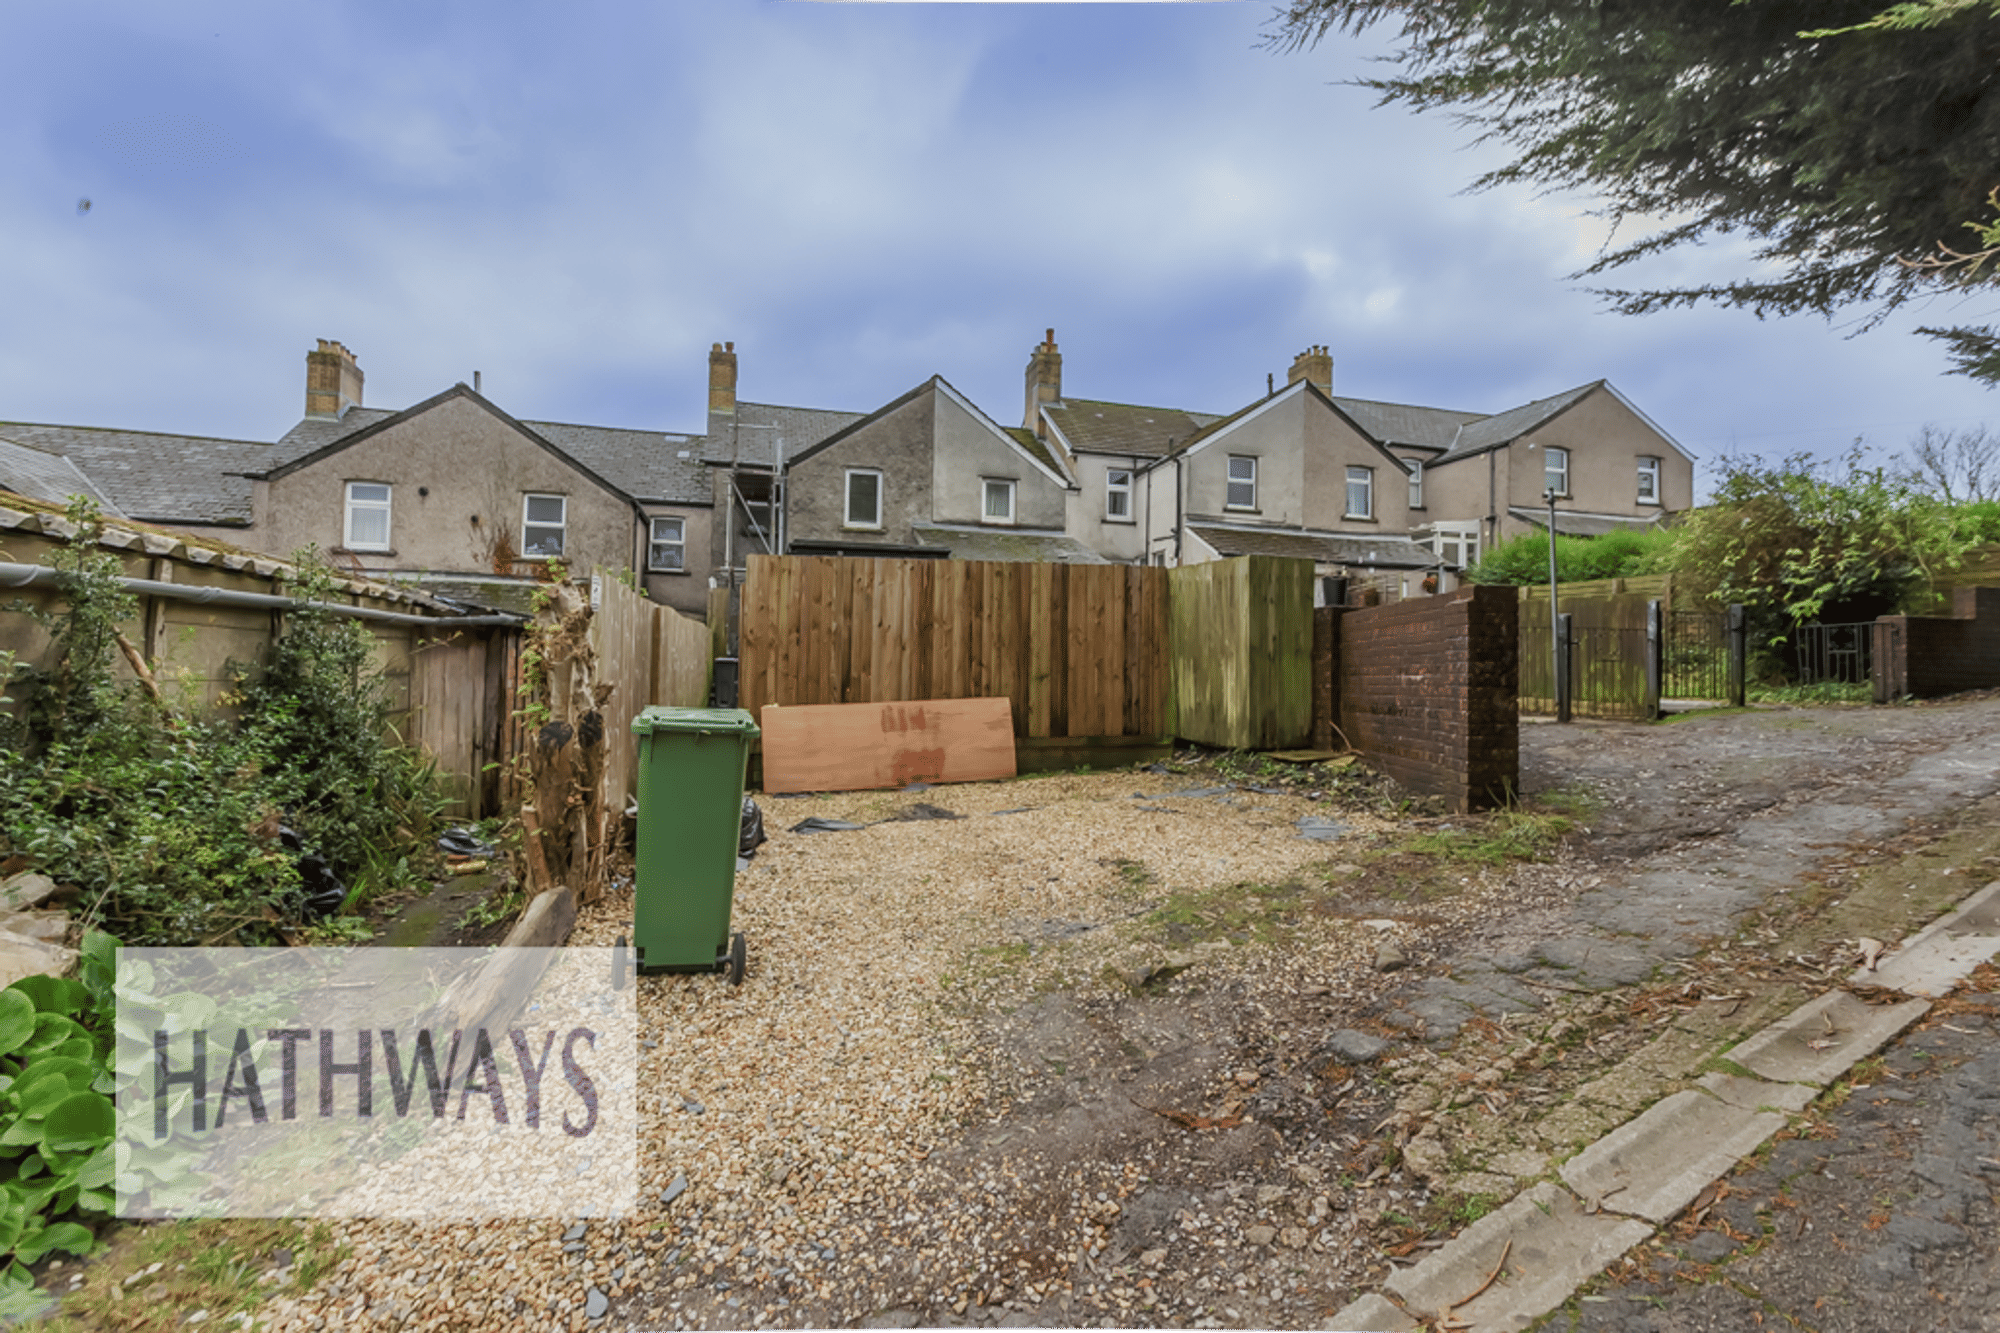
x: 1495, y: 839
x: 214, y: 1266
x: 501, y: 905
x: 337, y: 930
x: 1823, y: 692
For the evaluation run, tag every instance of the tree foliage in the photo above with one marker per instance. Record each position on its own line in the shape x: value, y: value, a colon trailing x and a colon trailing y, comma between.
x: 1791, y: 539
x: 1847, y: 144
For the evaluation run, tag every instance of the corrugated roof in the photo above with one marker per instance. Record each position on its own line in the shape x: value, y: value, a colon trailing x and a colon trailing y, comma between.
x: 970, y: 543
x: 1124, y: 428
x: 148, y: 475
x: 1321, y: 548
x: 1583, y: 525
x: 41, y: 475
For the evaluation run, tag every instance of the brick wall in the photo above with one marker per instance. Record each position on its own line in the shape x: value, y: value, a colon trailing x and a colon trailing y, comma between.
x: 1427, y: 691
x: 1922, y: 657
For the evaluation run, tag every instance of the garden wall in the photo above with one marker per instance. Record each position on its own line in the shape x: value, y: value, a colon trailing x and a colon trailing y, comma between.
x: 1427, y: 691
x: 1922, y: 657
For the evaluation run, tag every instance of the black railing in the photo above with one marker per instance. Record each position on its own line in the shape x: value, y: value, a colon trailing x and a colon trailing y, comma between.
x: 1834, y: 653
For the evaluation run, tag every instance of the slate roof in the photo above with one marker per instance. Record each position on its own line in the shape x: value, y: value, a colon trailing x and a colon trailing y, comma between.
x: 1515, y: 422
x: 1010, y: 544
x: 1401, y: 423
x: 40, y: 475
x: 157, y: 477
x: 796, y: 428
x: 1582, y: 525
x: 1038, y: 449
x: 1123, y: 428
x: 1321, y: 548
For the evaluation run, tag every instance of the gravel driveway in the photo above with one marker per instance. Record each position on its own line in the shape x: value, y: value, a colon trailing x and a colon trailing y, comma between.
x: 1063, y: 1059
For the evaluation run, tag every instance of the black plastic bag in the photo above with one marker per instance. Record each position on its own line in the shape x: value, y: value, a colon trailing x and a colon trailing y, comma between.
x: 320, y: 891
x: 752, y: 834
x: 462, y: 841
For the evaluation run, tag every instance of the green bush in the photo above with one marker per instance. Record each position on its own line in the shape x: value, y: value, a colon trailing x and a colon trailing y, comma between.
x: 1615, y: 555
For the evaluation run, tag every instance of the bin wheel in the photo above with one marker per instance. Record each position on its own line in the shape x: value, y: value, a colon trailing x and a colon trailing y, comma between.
x: 739, y: 955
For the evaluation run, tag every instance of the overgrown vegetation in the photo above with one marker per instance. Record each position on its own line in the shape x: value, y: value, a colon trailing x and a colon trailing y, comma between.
x: 171, y: 826
x: 1615, y: 555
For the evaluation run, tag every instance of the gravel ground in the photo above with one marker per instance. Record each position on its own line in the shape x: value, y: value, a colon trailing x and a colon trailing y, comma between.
x: 986, y: 1069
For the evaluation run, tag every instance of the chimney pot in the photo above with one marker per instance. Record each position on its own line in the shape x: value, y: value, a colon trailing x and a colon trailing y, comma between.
x: 722, y: 379
x: 1314, y: 364
x: 1044, y: 382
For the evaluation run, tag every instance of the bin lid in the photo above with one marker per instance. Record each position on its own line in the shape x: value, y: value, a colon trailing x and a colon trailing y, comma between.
x: 658, y: 718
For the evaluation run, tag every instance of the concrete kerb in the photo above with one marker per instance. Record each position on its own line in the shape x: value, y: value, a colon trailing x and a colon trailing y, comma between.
x: 1639, y: 1174
x: 1942, y: 954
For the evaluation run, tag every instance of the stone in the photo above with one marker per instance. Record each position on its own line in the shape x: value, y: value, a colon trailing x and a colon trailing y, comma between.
x: 1351, y: 1046
x: 1522, y: 1163
x: 673, y: 1191
x: 1390, y: 957
x: 27, y: 889
x: 48, y: 927
x: 24, y: 957
x: 1294, y: 1238
x: 576, y: 1232
x: 1260, y: 1235
x: 595, y: 1304
x: 1372, y: 1314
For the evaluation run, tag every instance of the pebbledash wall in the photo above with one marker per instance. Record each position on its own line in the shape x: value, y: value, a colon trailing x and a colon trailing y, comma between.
x: 1922, y: 657
x: 1427, y: 690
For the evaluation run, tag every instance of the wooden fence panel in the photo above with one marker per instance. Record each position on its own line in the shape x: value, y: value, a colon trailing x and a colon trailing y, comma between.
x: 1078, y: 651
x: 648, y: 654
x: 1241, y: 640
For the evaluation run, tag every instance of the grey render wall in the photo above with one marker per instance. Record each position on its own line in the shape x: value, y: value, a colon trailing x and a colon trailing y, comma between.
x: 1084, y: 508
x: 686, y: 591
x: 474, y: 465
x: 969, y: 453
x: 899, y: 444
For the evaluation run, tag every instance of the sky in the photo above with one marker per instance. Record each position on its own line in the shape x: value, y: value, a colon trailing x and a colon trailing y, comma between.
x: 577, y: 199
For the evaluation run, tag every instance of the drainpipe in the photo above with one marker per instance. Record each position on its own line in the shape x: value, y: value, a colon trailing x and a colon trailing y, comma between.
x: 29, y: 576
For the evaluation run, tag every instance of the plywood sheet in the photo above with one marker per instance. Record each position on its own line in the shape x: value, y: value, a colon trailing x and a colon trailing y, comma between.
x: 849, y: 747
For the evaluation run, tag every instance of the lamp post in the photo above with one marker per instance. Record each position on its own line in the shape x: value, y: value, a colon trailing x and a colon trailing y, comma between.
x: 1557, y: 675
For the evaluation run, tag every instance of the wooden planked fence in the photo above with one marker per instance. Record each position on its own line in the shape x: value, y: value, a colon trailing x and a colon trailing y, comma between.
x: 1242, y: 640
x: 1079, y: 650
x: 647, y: 654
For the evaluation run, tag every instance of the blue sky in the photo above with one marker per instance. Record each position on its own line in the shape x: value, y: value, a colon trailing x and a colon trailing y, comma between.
x: 576, y: 199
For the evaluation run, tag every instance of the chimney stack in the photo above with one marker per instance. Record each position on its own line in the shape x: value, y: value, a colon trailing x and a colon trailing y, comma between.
x: 333, y: 381
x: 1044, y: 381
x: 722, y: 378
x: 1315, y: 364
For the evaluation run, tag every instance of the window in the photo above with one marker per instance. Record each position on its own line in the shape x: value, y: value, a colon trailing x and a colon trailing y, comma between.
x: 367, y: 516
x: 1555, y: 471
x: 1649, y: 481
x: 1416, y: 482
x: 543, y: 518
x: 864, y: 499
x: 1361, y: 492
x: 667, y: 552
x: 1118, y: 494
x: 1456, y: 544
x: 1242, y: 483
x: 999, y: 505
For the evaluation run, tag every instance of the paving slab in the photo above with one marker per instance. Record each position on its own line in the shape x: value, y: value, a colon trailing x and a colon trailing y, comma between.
x: 1373, y: 1313
x: 1552, y: 1247
x: 1824, y: 1038
x: 1654, y: 1165
x: 1935, y: 959
x: 1755, y: 1094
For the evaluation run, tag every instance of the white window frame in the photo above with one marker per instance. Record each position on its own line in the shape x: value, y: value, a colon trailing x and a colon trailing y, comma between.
x: 655, y: 544
x: 847, y: 519
x: 1464, y: 539
x: 1231, y: 481
x: 561, y: 527
x: 1550, y: 454
x: 1115, y: 489
x: 1363, y: 477
x: 1416, y: 466
x: 383, y: 506
x: 988, y: 488
x: 1649, y: 479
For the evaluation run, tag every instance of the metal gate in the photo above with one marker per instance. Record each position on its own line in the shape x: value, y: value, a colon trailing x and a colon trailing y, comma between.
x: 1694, y: 660
x: 1834, y: 653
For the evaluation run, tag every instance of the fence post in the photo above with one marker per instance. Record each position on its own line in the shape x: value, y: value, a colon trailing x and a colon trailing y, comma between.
x: 1739, y: 654
x: 1565, y: 661
x: 1655, y: 656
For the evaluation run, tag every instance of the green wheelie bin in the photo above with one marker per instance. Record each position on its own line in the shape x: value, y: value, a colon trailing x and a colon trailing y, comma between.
x: 692, y: 763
